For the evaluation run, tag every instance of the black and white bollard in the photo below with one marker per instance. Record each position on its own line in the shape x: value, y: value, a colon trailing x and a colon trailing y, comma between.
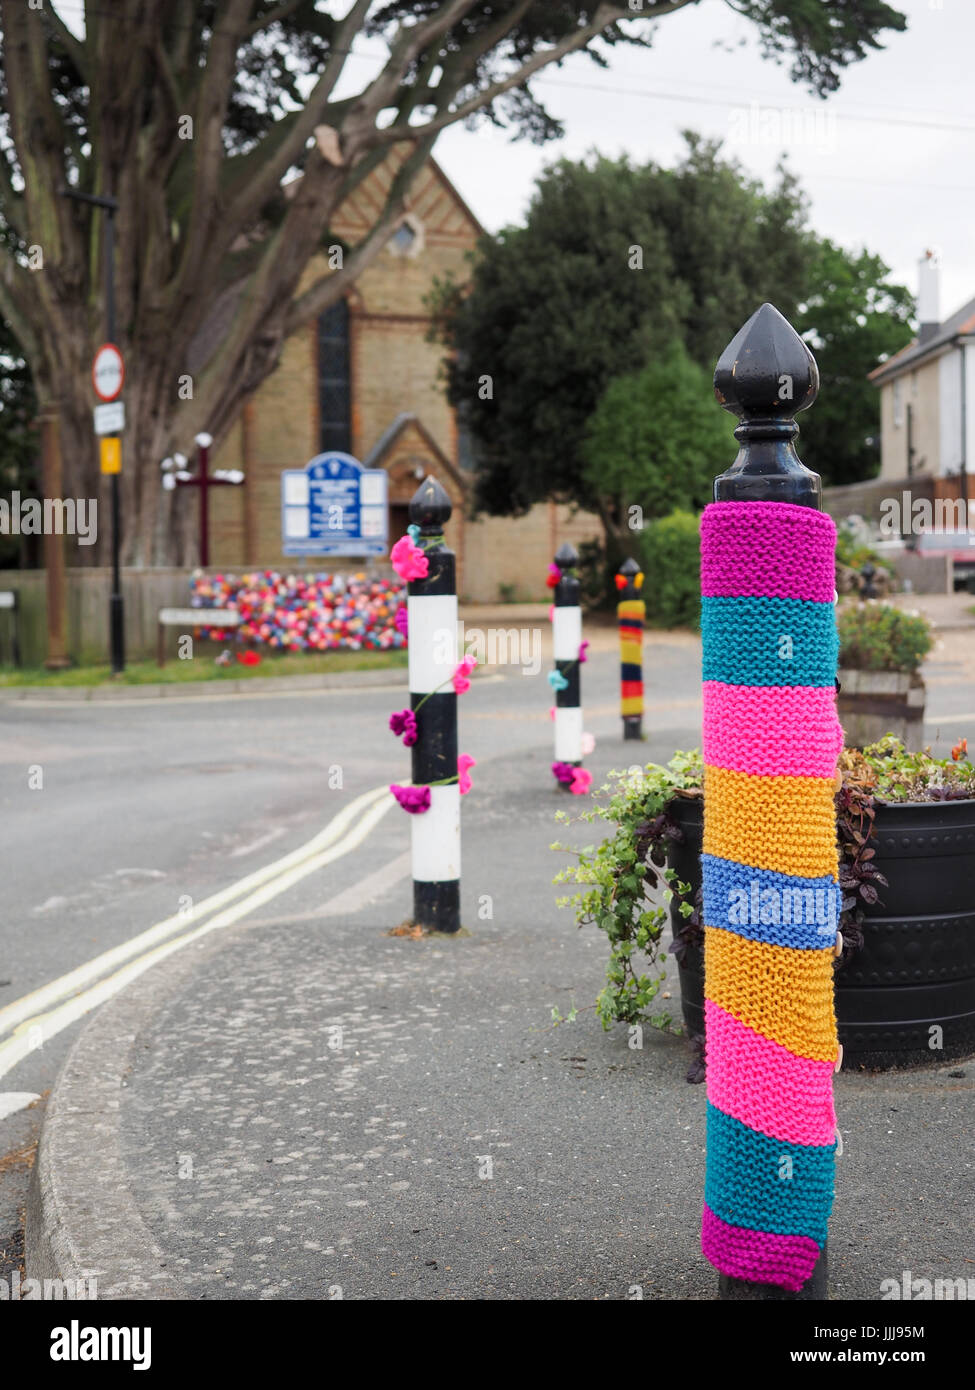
x: 432, y: 615
x: 566, y: 645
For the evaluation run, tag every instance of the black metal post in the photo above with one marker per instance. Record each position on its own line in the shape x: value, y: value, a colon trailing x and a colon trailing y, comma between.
x: 116, y: 609
x: 116, y: 605
x: 433, y: 657
x: 765, y: 376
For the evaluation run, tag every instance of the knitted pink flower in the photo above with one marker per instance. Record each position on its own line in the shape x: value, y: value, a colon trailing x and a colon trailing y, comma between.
x: 581, y: 781
x: 408, y: 560
x: 582, y: 652
x: 551, y: 714
x: 404, y: 723
x: 563, y: 772
x: 586, y: 744
x: 460, y: 676
x: 402, y: 620
x: 464, y: 763
x: 416, y: 800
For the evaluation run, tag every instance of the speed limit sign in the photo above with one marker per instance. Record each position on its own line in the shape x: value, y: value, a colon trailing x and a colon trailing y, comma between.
x: 107, y: 372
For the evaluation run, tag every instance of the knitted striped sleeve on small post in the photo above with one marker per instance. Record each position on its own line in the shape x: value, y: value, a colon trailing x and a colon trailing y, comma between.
x: 771, y: 895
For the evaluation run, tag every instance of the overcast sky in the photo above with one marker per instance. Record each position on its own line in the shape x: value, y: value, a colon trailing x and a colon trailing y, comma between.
x: 888, y: 162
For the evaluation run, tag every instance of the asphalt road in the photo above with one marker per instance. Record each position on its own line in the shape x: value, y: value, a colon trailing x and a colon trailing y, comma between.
x: 147, y: 806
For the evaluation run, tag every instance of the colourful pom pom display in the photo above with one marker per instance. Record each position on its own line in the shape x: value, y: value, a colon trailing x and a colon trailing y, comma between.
x: 316, y: 613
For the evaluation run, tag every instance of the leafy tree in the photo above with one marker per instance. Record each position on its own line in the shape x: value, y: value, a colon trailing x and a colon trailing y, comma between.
x: 854, y: 317
x: 192, y: 113
x: 657, y: 437
x: 613, y: 262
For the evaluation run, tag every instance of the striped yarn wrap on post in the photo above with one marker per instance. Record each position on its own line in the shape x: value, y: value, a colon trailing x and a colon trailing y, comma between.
x: 630, y: 613
x: 771, y: 896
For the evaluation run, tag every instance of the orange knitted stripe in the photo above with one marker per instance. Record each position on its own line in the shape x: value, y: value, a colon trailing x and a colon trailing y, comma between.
x: 784, y: 994
x: 783, y: 823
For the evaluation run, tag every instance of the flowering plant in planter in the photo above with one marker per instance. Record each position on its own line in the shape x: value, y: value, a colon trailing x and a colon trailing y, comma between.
x: 644, y: 808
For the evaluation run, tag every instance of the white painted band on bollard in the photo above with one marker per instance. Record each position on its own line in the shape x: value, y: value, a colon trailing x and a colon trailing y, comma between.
x: 432, y: 641
x: 436, y: 837
x: 568, y: 735
x: 566, y: 633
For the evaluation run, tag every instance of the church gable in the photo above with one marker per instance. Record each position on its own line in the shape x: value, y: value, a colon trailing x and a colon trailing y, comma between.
x: 432, y: 200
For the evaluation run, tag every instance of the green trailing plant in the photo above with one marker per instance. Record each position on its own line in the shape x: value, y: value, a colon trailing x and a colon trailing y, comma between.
x: 613, y: 879
x: 880, y: 637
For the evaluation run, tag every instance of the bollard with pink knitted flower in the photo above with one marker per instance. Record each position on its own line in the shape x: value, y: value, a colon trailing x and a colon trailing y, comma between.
x: 429, y: 727
x: 569, y: 651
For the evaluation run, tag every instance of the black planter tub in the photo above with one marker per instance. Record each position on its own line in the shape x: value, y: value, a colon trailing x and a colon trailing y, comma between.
x: 907, y: 998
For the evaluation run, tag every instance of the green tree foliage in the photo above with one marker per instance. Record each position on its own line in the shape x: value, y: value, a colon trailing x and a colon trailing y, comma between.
x: 670, y: 552
x: 613, y: 262
x: 853, y: 318
x: 656, y: 436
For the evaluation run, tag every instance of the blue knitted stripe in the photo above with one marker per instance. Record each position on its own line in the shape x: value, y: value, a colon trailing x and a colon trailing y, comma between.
x: 630, y: 671
x: 769, y: 641
x: 767, y: 906
x: 765, y: 1184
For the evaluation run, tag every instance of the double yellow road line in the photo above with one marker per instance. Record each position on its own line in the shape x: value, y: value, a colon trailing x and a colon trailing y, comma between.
x: 40, y: 1015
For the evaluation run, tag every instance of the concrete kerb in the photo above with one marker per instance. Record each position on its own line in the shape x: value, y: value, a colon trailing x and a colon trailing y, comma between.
x: 82, y: 1220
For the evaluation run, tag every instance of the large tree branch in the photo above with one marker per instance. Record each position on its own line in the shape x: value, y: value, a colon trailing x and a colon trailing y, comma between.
x: 329, y: 288
x: 211, y: 110
x: 284, y: 152
x: 279, y: 12
x: 605, y: 16
x: 39, y: 138
x: 75, y: 48
x: 407, y: 46
x: 18, y: 305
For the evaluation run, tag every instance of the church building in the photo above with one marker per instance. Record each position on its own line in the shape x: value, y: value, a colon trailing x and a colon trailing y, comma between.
x: 365, y: 380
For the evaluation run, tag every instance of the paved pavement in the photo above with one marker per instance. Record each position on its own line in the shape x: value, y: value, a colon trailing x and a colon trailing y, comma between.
x: 299, y: 1103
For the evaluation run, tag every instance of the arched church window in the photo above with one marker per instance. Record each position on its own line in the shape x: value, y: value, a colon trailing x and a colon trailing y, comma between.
x: 334, y: 395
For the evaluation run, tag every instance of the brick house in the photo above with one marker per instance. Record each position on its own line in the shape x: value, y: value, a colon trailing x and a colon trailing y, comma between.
x: 365, y: 380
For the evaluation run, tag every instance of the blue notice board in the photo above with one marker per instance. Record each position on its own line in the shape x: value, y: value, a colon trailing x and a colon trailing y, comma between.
x: 334, y: 506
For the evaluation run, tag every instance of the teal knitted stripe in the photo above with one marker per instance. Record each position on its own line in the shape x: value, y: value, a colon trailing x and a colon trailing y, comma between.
x: 764, y: 1184
x: 769, y: 641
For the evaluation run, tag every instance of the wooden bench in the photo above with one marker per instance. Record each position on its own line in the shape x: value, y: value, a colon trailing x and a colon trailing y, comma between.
x: 192, y: 618
x: 10, y: 600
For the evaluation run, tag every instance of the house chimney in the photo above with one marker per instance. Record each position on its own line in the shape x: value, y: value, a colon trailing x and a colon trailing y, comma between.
x: 928, y: 295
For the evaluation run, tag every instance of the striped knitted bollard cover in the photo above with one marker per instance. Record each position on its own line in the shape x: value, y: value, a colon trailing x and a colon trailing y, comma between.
x: 771, y: 898
x: 630, y: 616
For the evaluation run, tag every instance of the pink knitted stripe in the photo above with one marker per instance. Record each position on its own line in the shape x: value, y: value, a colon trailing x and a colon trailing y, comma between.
x: 772, y: 730
x: 759, y: 1256
x: 750, y: 549
x: 764, y: 1085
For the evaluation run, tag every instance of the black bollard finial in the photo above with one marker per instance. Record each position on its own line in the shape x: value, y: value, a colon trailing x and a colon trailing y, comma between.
x: 430, y: 507
x: 566, y: 557
x: 628, y: 569
x: 765, y: 376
